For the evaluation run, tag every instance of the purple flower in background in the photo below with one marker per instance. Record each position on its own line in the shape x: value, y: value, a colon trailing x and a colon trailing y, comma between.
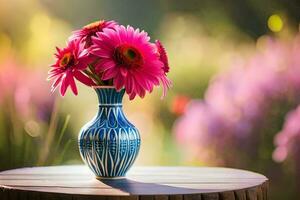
x: 237, y: 101
x: 193, y: 129
x: 288, y: 137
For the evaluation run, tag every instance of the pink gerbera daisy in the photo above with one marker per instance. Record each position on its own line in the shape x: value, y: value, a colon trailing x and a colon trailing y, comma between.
x: 164, y: 59
x: 162, y: 55
x: 70, y: 62
x: 129, y: 59
x: 91, y: 29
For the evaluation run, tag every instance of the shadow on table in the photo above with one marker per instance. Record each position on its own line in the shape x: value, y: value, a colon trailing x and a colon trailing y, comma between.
x: 140, y: 188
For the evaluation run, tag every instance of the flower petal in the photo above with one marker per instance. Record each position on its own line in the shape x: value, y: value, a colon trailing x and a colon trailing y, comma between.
x: 104, y: 64
x: 123, y: 71
x: 109, y: 74
x: 119, y: 81
x: 83, y: 78
x: 166, y: 84
x: 73, y: 85
x: 56, y: 83
x: 64, y: 85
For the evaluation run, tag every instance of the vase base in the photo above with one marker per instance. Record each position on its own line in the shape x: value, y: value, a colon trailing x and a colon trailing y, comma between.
x: 109, y: 178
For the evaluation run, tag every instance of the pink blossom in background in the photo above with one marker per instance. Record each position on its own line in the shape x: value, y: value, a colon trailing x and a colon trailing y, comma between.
x: 192, y: 131
x: 26, y: 90
x: 7, y: 78
x: 237, y: 101
x: 288, y: 137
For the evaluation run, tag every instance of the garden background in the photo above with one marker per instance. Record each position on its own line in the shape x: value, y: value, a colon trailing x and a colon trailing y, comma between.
x: 235, y: 67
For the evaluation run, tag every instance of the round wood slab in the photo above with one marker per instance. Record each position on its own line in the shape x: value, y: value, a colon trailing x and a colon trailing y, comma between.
x: 141, y: 183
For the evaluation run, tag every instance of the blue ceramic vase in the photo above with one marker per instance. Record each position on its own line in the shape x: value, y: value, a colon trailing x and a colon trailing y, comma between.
x: 109, y: 143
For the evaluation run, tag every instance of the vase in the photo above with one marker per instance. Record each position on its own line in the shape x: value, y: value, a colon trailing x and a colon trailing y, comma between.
x: 109, y: 143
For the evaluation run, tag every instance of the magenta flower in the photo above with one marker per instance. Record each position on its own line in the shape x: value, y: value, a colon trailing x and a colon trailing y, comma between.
x: 90, y: 30
x: 127, y: 57
x: 162, y: 55
x: 104, y: 54
x: 70, y: 63
x: 166, y: 83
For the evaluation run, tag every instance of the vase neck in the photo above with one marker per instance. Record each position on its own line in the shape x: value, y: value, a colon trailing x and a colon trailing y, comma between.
x: 109, y: 96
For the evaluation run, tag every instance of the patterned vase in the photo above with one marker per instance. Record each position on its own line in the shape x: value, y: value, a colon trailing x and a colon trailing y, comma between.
x: 109, y: 143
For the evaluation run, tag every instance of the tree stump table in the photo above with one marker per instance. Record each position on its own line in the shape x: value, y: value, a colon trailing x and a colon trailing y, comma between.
x: 141, y: 183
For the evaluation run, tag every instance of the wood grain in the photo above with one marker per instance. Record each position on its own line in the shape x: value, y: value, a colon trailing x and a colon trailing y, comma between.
x: 240, y: 195
x: 141, y: 183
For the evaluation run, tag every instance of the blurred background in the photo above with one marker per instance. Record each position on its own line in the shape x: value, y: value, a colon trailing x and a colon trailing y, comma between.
x: 235, y: 67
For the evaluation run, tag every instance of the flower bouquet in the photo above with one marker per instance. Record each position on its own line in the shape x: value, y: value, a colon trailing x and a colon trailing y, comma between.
x: 112, y: 59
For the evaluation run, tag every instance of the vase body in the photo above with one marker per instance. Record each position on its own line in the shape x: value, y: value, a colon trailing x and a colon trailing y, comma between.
x: 109, y: 143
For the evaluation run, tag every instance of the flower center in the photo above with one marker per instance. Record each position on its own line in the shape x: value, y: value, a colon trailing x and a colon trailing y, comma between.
x: 129, y: 56
x: 94, y: 26
x: 66, y: 61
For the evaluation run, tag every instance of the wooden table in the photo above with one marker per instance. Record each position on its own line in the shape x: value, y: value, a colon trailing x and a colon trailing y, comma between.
x: 141, y: 183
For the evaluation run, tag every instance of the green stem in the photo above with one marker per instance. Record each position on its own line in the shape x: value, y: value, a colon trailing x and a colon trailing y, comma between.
x: 91, y: 67
x: 93, y: 76
x: 62, y: 133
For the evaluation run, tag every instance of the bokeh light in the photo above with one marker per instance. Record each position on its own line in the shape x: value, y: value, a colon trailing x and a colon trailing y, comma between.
x: 275, y: 23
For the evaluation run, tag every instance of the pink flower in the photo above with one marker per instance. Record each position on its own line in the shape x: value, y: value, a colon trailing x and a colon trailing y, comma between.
x: 90, y: 30
x: 162, y: 55
x: 241, y: 101
x: 288, y: 138
x: 69, y: 65
x: 164, y: 59
x: 28, y: 96
x: 127, y: 57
